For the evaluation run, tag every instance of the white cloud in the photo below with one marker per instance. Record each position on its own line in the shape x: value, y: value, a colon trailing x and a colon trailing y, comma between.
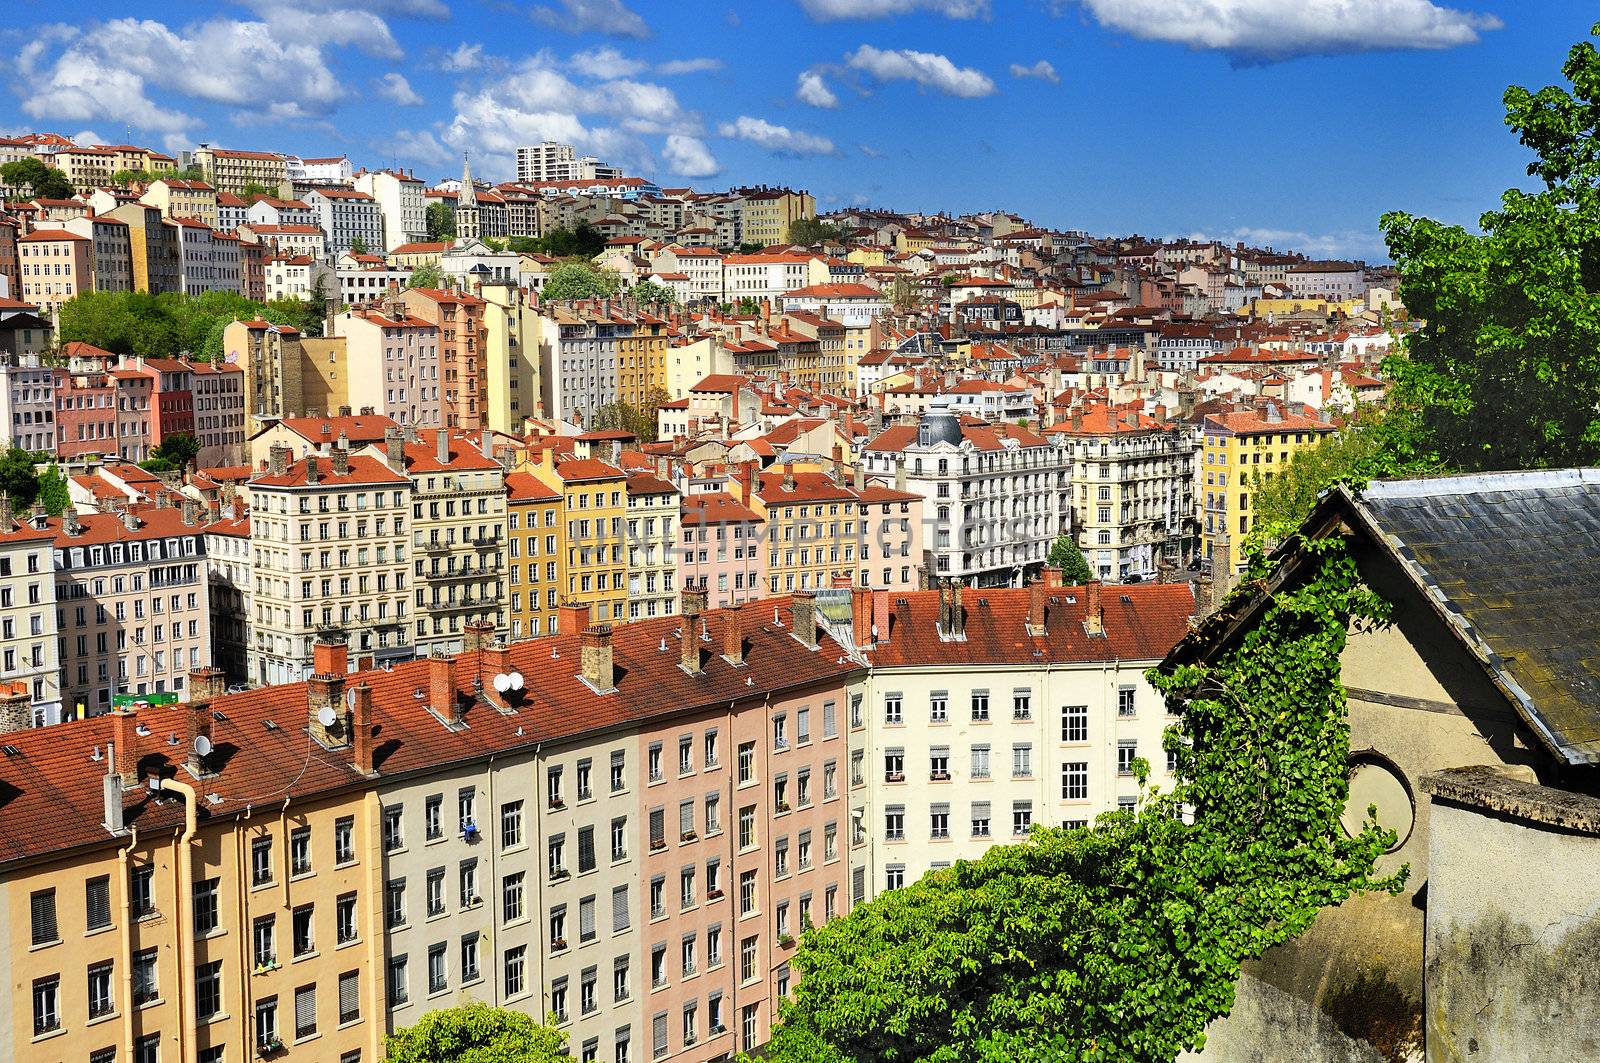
x: 928, y: 69
x: 780, y: 140
x: 1366, y: 244
x: 610, y: 17
x: 418, y: 146
x: 404, y: 8
x: 395, y: 87
x: 836, y: 10
x: 86, y: 136
x: 1265, y: 30
x: 869, y: 151
x: 689, y: 157
x: 702, y: 65
x: 462, y: 58
x: 812, y: 89
x: 1041, y: 70
x: 605, y: 62
x: 361, y: 30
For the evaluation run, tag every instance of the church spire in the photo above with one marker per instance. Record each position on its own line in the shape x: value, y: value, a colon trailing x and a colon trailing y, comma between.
x: 468, y: 224
x: 469, y: 194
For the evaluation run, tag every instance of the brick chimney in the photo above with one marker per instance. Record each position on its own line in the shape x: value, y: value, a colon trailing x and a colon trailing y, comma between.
x: 16, y: 707
x: 1094, y: 616
x: 1052, y: 576
x: 339, y: 457
x: 694, y: 602
x: 1038, y: 599
x: 599, y: 667
x: 313, y: 469
x: 442, y: 690
x: 958, y: 616
x: 191, y: 511
x: 394, y: 448
x: 496, y: 658
x: 733, y: 635
x: 278, y: 460
x: 803, y: 610
x: 944, y: 609
x: 205, y: 684
x: 476, y: 635
x: 325, y: 690
x: 441, y: 442
x: 125, y: 743
x: 572, y: 618
x: 861, y: 615
x: 361, y: 729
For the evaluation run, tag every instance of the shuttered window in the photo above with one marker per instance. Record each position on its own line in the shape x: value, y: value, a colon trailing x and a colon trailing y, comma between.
x: 586, y: 919
x: 585, y: 849
x: 685, y: 818
x: 305, y: 1011
x: 42, y: 905
x: 619, y: 909
x: 858, y: 885
x: 658, y: 1035
x: 658, y: 828
x: 97, y: 902
x: 349, y: 997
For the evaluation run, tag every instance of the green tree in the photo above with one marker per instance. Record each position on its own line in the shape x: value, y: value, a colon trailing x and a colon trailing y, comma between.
x: 18, y: 480
x: 358, y: 246
x: 1505, y: 369
x: 905, y: 295
x: 583, y: 242
x: 1123, y: 940
x: 42, y: 182
x: 179, y: 449
x: 651, y: 292
x: 477, y: 1033
x: 748, y: 305
x: 53, y: 495
x: 425, y: 277
x: 750, y: 247
x: 441, y: 222
x: 579, y: 280
x: 808, y: 231
x: 254, y: 190
x: 291, y: 310
x: 1065, y: 555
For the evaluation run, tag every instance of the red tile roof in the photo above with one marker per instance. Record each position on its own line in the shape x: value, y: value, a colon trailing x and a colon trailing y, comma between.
x: 363, y: 470
x: 526, y: 487
x: 360, y: 428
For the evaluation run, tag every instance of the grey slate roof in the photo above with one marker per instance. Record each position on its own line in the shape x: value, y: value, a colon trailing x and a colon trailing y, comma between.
x: 1513, y: 561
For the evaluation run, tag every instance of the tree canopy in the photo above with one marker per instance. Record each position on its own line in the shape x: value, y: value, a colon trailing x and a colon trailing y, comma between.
x: 425, y: 277
x: 583, y: 242
x: 639, y: 420
x: 808, y: 231
x: 1505, y: 370
x: 1123, y: 940
x: 440, y: 219
x: 652, y: 292
x: 177, y: 449
x: 41, y: 181
x: 1065, y: 555
x: 168, y: 324
x: 477, y: 1033
x: 579, y: 280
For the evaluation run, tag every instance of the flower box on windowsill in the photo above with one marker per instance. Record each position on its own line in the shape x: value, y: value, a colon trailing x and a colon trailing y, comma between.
x: 556, y: 802
x: 558, y: 944
x: 783, y: 806
x: 719, y: 1029
x: 713, y: 895
x: 687, y: 836
x: 558, y: 874
x: 657, y: 844
x: 786, y: 941
x: 263, y: 968
x: 894, y: 776
x: 939, y: 776
x: 270, y: 1046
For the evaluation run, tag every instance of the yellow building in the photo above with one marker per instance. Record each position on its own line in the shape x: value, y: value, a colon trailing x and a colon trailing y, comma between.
x: 232, y: 171
x: 910, y: 241
x: 415, y: 255
x: 642, y: 357
x: 1240, y: 451
x: 765, y: 214
x: 868, y: 255
x: 811, y: 528
x: 183, y: 199
x: 594, y: 506
x: 1266, y: 309
x: 534, y: 532
x: 510, y: 357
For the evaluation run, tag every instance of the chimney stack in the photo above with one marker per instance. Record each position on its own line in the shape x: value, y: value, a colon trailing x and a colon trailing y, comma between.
x: 803, y: 610
x: 599, y: 667
x: 191, y: 511
x: 394, y: 448
x: 442, y: 690
x: 16, y: 707
x: 313, y: 472
x: 124, y: 745
x: 278, y: 460
x: 476, y: 635
x: 572, y: 618
x: 1038, y: 599
x: 361, y: 729
x: 861, y: 616
x: 1094, y: 620
x: 958, y: 616
x: 733, y: 635
x: 694, y: 602
x: 340, y: 459
x: 442, y: 445
x: 325, y: 690
x: 1052, y: 576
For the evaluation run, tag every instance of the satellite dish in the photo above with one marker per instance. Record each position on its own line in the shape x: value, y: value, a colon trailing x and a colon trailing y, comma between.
x: 502, y: 682
x: 326, y: 716
x: 202, y: 746
x: 516, y: 680
x: 350, y: 698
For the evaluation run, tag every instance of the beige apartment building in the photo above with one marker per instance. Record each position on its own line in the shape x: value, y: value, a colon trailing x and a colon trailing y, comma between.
x: 328, y: 536
x: 110, y: 251
x: 510, y: 357
x: 651, y: 530
x: 272, y: 360
x: 28, y: 650
x: 55, y: 266
x: 459, y: 319
x: 177, y: 198
x: 393, y: 363
x: 231, y: 171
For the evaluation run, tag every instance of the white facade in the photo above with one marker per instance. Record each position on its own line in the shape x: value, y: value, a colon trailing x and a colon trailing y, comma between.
x: 400, y: 200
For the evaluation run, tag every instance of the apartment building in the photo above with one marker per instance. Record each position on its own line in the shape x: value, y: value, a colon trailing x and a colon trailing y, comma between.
x: 765, y: 278
x: 219, y: 413
x: 152, y: 247
x: 292, y: 239
x: 393, y: 362
x: 234, y: 171
x: 534, y: 556
x: 458, y: 535
x: 230, y: 582
x: 267, y: 210
x: 271, y: 360
x: 329, y: 555
x: 177, y: 198
x: 580, y: 348
x: 351, y: 220
x: 110, y: 251
x: 511, y: 366
x: 132, y: 607
x: 287, y: 276
x: 29, y: 654
x: 593, y: 507
x: 208, y: 261
x: 462, y: 354
x: 28, y: 402
x: 765, y: 214
x: 400, y: 201
x: 651, y: 543
x: 990, y: 710
x: 1132, y: 490
x: 1239, y: 451
x: 994, y: 496
x: 55, y: 266
x: 724, y: 549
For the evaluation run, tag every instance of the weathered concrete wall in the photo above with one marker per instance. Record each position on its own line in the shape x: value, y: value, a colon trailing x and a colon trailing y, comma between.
x: 1268, y: 1025
x: 1513, y: 940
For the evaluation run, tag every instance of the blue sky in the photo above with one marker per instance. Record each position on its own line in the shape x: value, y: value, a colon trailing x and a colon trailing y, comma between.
x: 1295, y: 123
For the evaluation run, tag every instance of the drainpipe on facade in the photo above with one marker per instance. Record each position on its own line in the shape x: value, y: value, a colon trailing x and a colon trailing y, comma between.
x: 490, y: 876
x: 731, y: 877
x: 125, y: 936
x: 183, y: 897
x: 247, y: 1012
x: 377, y: 981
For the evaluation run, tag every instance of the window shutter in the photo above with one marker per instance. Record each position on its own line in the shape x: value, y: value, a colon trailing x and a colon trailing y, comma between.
x: 97, y: 902
x: 658, y: 1034
x: 619, y: 909
x: 43, y: 910
x: 349, y: 996
x: 658, y: 825
x: 980, y: 810
x: 939, y: 809
x: 685, y: 817
x: 858, y: 885
x: 305, y: 1009
x: 586, y: 849
x: 586, y: 918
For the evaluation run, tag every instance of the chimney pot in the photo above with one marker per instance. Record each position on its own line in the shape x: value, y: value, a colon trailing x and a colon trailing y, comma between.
x: 803, y: 612
x: 733, y: 635
x: 1094, y: 616
x: 442, y: 693
x: 599, y: 667
x: 572, y: 618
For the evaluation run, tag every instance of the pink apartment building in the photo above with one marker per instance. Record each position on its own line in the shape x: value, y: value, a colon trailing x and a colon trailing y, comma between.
x: 722, y: 552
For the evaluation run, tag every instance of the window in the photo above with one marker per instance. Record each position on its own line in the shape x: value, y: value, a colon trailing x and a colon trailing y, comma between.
x: 747, y: 761
x: 1075, y: 723
x: 653, y: 761
x: 511, y: 824
x: 619, y: 909
x: 585, y: 774
x: 748, y: 1026
x: 46, y: 1005
x: 685, y: 755
x: 511, y: 897
x: 558, y: 999
x: 892, y: 711
x: 349, y: 997
x: 435, y: 891
x: 146, y: 987
x: 300, y: 851
x: 980, y: 819
x: 1021, y: 817
x: 780, y: 732
x: 438, y: 969
x: 344, y: 918
x: 394, y: 902
x: 747, y: 827
x: 619, y: 979
x: 686, y: 887
x: 267, y: 1023
x: 1021, y: 705
x: 205, y: 906
x: 42, y: 907
x: 1021, y: 760
x: 399, y: 990
x: 939, y: 706
x: 97, y: 902
x: 980, y: 706
x: 586, y: 929
x: 1075, y: 781
x: 515, y: 970
x: 208, y: 989
x: 713, y: 814
x: 894, y: 876
x: 100, y: 998
x: 619, y: 779
x: 939, y: 821
x: 344, y: 850
x: 747, y: 959
x: 980, y: 762
x: 586, y: 859
x: 556, y: 852
x: 141, y: 897
x: 433, y: 817
x: 304, y: 941
x: 469, y: 883
x: 1125, y: 704
x: 261, y: 861
x: 305, y: 1011
x: 711, y: 749
x: 1127, y: 751
x: 619, y: 839
x: 747, y: 892
x: 394, y: 836
x: 894, y: 823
